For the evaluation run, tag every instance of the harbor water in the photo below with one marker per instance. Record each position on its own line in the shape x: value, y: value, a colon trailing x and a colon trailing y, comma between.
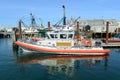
x: 15, y: 65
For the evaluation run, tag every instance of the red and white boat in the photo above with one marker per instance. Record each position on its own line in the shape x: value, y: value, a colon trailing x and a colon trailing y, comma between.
x: 62, y: 42
x: 114, y: 39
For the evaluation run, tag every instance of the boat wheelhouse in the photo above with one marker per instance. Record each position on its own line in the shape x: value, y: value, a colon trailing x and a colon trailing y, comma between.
x: 61, y: 39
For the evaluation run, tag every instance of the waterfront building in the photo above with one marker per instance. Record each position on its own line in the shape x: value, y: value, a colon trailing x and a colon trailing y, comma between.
x: 99, y: 25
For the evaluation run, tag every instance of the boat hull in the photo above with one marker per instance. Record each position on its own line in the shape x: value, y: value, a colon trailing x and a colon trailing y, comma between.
x: 50, y: 50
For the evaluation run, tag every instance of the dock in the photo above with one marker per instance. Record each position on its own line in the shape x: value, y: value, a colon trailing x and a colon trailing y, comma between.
x: 5, y: 34
x: 111, y: 45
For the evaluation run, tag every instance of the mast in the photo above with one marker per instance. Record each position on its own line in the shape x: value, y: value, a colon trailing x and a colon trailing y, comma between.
x: 20, y: 30
x: 64, y: 16
x: 33, y: 23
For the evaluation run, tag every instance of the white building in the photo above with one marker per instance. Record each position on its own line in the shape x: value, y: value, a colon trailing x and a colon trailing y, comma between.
x: 99, y: 25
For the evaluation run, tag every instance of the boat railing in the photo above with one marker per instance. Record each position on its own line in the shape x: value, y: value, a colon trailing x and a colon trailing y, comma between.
x: 27, y: 41
x: 78, y: 46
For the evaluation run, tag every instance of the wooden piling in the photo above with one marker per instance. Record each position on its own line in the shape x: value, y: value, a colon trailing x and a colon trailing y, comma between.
x: 78, y: 33
x: 20, y: 30
x: 14, y: 38
x: 64, y: 16
x: 48, y: 25
x: 107, y: 31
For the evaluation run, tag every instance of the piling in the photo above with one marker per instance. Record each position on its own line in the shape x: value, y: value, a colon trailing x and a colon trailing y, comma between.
x: 48, y: 25
x: 77, y: 30
x: 107, y: 31
x: 64, y: 16
x: 20, y: 30
x: 14, y: 38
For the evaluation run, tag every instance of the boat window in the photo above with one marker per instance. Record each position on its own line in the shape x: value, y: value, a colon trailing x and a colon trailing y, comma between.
x: 70, y: 36
x: 63, y: 36
x: 56, y: 36
x: 48, y: 37
x: 67, y: 27
x: 52, y: 35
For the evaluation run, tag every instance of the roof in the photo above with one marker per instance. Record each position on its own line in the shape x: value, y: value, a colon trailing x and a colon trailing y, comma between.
x: 98, y: 22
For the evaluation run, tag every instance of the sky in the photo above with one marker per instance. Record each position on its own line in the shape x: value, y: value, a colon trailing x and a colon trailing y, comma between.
x: 11, y: 11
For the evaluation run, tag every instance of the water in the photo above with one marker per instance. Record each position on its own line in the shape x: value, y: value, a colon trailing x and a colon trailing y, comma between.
x: 18, y: 66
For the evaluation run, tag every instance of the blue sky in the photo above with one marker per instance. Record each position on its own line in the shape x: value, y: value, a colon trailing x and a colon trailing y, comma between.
x: 51, y: 10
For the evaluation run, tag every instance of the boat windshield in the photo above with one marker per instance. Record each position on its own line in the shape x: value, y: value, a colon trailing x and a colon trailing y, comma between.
x: 53, y: 35
x: 62, y: 35
x: 70, y: 36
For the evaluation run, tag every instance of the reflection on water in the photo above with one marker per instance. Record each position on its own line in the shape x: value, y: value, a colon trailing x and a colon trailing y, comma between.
x: 66, y: 64
x: 16, y: 66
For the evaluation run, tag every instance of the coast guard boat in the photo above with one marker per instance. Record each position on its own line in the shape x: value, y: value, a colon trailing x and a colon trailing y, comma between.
x: 62, y: 42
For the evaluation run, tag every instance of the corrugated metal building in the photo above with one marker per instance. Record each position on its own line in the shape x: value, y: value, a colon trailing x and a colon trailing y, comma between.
x: 99, y: 25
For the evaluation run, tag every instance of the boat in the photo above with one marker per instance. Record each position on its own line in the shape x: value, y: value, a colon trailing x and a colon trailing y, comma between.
x: 114, y: 39
x: 62, y: 42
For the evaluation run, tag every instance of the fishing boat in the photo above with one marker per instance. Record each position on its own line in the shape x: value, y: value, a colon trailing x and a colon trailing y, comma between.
x: 62, y: 42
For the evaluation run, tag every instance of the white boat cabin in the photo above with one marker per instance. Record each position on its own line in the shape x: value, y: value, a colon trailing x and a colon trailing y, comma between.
x: 58, y: 39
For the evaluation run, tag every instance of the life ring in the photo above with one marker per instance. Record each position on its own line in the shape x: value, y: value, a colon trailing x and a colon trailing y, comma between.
x: 89, y: 43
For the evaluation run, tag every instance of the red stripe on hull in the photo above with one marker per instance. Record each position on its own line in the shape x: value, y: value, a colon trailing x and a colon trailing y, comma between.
x: 33, y: 47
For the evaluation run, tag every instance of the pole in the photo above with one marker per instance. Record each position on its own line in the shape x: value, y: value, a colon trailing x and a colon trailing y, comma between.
x: 48, y: 25
x: 77, y: 29
x: 20, y: 30
x: 107, y: 31
x: 64, y: 16
x: 14, y: 37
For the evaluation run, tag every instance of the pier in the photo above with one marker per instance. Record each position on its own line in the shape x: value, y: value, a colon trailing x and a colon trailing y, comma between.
x: 111, y: 45
x: 5, y: 34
